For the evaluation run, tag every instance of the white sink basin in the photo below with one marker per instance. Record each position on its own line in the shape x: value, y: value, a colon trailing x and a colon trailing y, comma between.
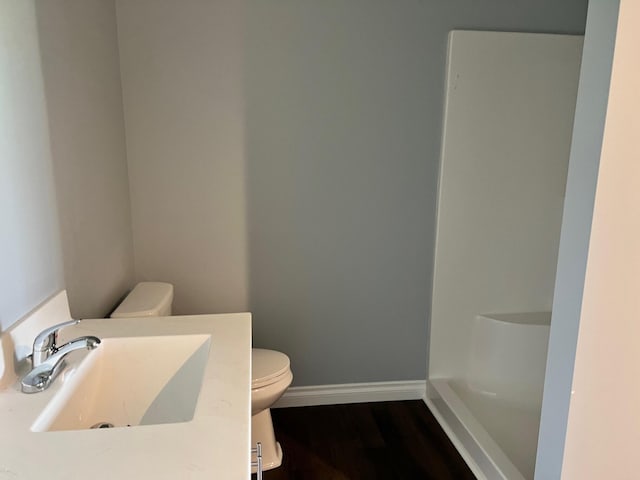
x: 130, y: 381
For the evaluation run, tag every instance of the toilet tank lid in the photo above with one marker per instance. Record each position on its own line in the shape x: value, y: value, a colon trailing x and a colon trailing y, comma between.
x: 147, y: 299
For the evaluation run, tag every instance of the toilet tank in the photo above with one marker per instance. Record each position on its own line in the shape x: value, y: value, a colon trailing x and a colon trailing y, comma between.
x: 147, y: 299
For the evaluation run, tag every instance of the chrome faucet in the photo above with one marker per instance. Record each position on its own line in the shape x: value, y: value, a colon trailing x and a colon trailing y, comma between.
x: 44, y: 344
x: 48, y: 359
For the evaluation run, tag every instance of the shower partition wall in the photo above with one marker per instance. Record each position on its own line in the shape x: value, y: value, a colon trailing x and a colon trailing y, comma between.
x: 507, y: 129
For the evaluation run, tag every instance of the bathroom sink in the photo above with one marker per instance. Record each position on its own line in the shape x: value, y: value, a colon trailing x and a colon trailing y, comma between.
x: 130, y: 381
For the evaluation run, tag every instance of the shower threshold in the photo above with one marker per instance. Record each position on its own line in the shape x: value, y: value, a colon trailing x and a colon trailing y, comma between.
x: 498, y: 439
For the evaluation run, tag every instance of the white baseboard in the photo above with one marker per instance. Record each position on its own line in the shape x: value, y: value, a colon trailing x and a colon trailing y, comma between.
x: 352, y: 393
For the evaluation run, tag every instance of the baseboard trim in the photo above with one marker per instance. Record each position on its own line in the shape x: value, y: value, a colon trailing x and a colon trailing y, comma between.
x: 352, y: 393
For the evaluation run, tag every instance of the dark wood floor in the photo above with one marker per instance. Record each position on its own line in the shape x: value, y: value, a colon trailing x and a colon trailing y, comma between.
x: 385, y: 440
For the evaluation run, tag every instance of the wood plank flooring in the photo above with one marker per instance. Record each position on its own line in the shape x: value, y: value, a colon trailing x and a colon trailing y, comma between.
x: 385, y: 440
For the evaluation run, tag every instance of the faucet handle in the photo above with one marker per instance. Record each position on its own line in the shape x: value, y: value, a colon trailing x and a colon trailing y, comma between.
x: 45, y: 343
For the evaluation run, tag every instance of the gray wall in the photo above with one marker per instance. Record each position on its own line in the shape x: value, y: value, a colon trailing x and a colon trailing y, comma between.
x: 591, y: 109
x: 181, y: 67
x: 343, y: 117
x: 283, y: 158
x: 30, y: 258
x: 79, y: 47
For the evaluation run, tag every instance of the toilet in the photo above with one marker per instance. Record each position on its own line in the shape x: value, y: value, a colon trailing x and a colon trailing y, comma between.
x: 270, y: 370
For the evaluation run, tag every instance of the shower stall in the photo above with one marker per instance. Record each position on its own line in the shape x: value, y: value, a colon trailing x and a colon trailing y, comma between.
x: 510, y: 101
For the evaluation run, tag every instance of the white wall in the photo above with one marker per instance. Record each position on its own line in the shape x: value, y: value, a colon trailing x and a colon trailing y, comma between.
x: 79, y: 48
x: 507, y: 130
x: 576, y: 227
x: 181, y: 65
x: 603, y: 430
x: 30, y: 257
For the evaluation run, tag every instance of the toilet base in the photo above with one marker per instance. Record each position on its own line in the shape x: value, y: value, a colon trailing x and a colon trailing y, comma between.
x: 262, y: 431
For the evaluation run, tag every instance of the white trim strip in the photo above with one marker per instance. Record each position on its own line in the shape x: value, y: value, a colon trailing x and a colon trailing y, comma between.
x: 352, y: 393
x: 470, y: 434
x: 455, y: 431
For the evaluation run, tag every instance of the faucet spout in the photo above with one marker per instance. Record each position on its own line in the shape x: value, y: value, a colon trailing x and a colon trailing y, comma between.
x: 41, y: 376
x: 88, y: 342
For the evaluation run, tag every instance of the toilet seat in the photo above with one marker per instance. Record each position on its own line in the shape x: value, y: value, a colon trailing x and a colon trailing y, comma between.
x: 267, y: 366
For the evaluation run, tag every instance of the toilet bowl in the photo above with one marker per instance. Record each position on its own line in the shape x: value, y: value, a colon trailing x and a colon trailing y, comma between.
x: 270, y: 377
x: 271, y: 372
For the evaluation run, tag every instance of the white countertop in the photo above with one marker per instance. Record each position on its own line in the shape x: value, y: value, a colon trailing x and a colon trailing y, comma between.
x: 214, y: 445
